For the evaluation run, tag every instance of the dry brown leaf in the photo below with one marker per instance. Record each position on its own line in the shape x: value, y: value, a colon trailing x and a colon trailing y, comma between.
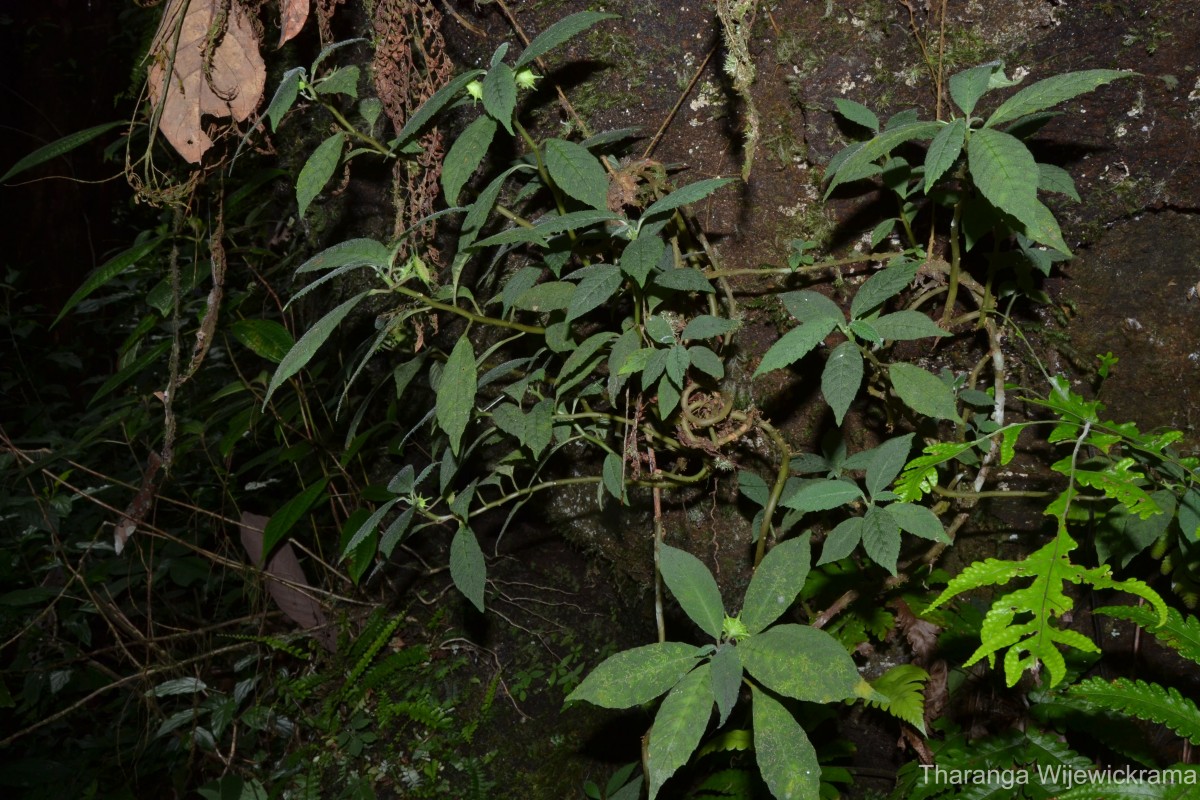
x: 236, y: 75
x: 921, y: 634
x: 295, y: 604
x: 292, y: 16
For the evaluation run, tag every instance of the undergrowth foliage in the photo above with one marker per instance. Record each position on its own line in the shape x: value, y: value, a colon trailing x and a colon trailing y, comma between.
x: 578, y: 331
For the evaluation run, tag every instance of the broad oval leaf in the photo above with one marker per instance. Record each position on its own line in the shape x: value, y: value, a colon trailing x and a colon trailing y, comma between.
x: 577, y: 172
x: 807, y: 305
x: 906, y: 325
x: 370, y: 524
x: 549, y: 296
x: 944, y: 151
x: 283, y: 520
x: 922, y: 391
x: 1055, y: 179
x: 841, y: 541
x: 636, y: 676
x: 500, y: 94
x: 686, y: 279
x: 968, y: 86
x: 266, y: 338
x: 695, y: 589
x: 317, y: 171
x: 467, y: 567
x: 841, y: 378
x: 795, y: 344
x: 785, y: 755
x: 801, y: 662
x: 456, y: 392
x: 683, y: 196
x: 594, y: 290
x: 886, y: 462
x: 918, y: 520
x: 707, y: 361
x: 883, y: 286
x: 881, y: 538
x: 308, y: 344
x: 678, y: 727
x: 859, y: 163
x: 464, y: 156
x: 776, y: 582
x: 1052, y: 91
x: 1004, y: 170
x: 857, y: 113
x: 352, y: 252
x: 726, y: 674
x: 641, y: 256
x: 706, y: 326
x: 559, y: 32
x: 822, y: 495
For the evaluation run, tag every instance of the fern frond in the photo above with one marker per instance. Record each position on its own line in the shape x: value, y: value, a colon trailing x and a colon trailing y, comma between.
x: 1147, y: 701
x: 1182, y: 786
x: 1180, y: 634
x: 903, y: 685
x: 377, y: 633
x: 1034, y: 638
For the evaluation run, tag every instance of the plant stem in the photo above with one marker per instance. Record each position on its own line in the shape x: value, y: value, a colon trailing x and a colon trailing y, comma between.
x: 781, y: 476
x: 470, y: 315
x: 955, y: 260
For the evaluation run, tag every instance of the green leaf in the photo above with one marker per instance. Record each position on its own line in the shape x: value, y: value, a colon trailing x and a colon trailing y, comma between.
x: 440, y: 99
x: 968, y: 86
x: 352, y: 252
x: 367, y: 529
x: 694, y: 587
x: 59, y: 147
x: 547, y: 226
x: 577, y: 172
x: 343, y: 80
x: 467, y: 567
x: 284, y: 97
x: 317, y: 171
x: 795, y: 344
x: 106, y: 272
x: 883, y: 286
x: 882, y: 231
x: 706, y: 326
x: 582, y: 361
x: 559, y: 32
x: 707, y: 361
x: 308, y: 344
x: 266, y: 338
x: 1057, y: 180
x: 776, y: 582
x: 636, y: 676
x: 754, y: 488
x: 857, y: 113
x: 923, y: 392
x: 918, y: 520
x: 456, y: 392
x: 132, y: 370
x: 881, y: 538
x: 500, y: 94
x: 625, y: 346
x: 822, y: 495
x: 726, y: 673
x: 944, y: 151
x: 685, y: 279
x: 905, y: 326
x: 539, y: 427
x: 809, y: 306
x: 801, y: 662
x: 395, y: 532
x: 841, y: 378
x: 678, y: 359
x: 1141, y: 700
x: 549, y: 296
x: 1004, y: 171
x: 682, y: 197
x: 641, y: 256
x: 886, y: 462
x: 678, y: 727
x: 842, y: 540
x: 785, y: 755
x: 903, y: 686
x: 659, y: 330
x: 857, y: 164
x: 613, y: 475
x: 1052, y: 91
x: 464, y: 156
x: 594, y: 290
x: 283, y: 520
